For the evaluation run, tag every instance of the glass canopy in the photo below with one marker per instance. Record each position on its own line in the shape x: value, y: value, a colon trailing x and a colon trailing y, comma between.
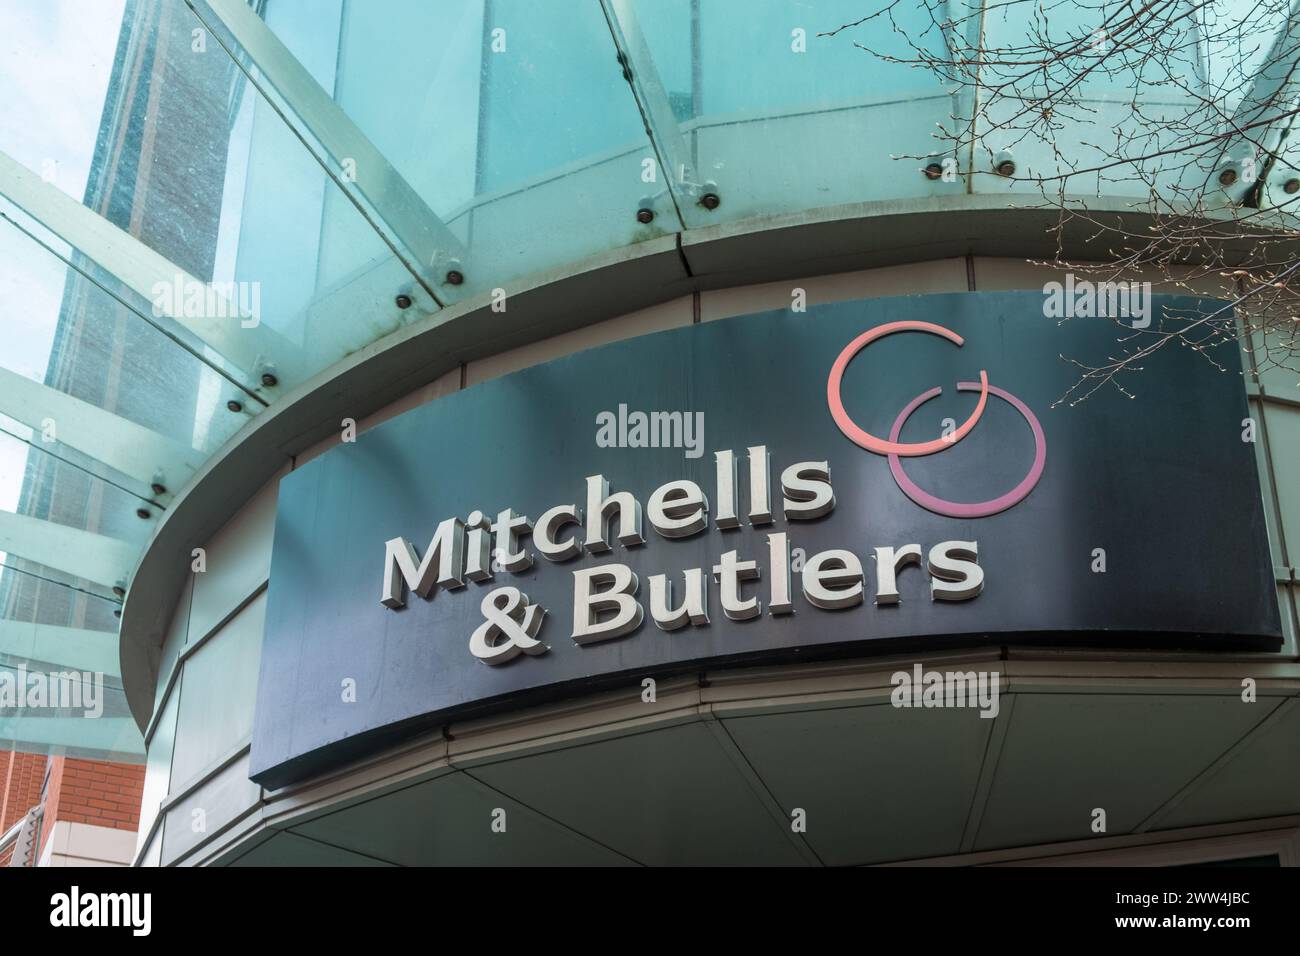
x: 204, y: 203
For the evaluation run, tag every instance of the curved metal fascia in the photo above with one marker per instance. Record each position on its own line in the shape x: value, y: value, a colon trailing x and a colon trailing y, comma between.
x: 814, y: 242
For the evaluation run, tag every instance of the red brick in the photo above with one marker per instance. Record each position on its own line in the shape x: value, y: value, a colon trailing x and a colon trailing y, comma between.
x: 95, y: 792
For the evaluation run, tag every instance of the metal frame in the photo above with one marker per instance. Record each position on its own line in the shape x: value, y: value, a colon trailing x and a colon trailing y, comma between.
x: 1275, y: 88
x: 109, y: 734
x: 671, y: 149
x: 23, y: 836
x: 244, y: 349
x: 73, y: 647
x: 83, y: 554
x: 123, y: 445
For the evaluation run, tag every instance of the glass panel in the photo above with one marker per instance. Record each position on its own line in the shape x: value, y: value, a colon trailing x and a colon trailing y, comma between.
x: 1101, y: 46
x: 34, y: 592
x: 1239, y: 36
x: 1140, y: 89
x: 112, y: 737
x: 15, y: 431
x: 37, y: 485
x: 518, y: 131
x: 161, y: 134
x: 218, y: 689
x: 779, y: 117
x: 60, y: 692
x: 56, y: 76
x: 751, y: 59
x: 60, y: 689
x: 57, y: 646
x: 64, y: 331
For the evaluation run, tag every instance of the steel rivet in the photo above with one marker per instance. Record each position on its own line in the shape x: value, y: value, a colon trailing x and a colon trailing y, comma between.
x: 933, y: 171
x: 269, y: 380
x: 119, y: 591
x: 454, y: 277
x: 143, y: 513
x: 1227, y: 177
x: 1006, y: 168
x: 159, y: 489
x: 403, y: 301
x: 1291, y: 186
x: 645, y: 215
x: 235, y: 406
x: 710, y: 201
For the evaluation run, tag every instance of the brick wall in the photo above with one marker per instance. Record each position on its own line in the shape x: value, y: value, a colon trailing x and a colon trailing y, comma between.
x: 94, y: 791
x: 21, y: 777
x: 80, y: 791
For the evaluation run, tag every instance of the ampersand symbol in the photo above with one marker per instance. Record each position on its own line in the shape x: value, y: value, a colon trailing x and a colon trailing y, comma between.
x: 510, y: 626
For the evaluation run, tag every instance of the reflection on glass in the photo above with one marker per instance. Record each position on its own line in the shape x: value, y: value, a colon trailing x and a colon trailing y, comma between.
x: 516, y: 128
x: 783, y: 110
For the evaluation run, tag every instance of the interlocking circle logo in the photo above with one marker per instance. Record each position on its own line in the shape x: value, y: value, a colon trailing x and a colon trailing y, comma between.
x: 896, y: 450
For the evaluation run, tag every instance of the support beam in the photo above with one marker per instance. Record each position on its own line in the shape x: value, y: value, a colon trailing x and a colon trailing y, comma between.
x: 245, y: 348
x: 671, y: 149
x: 426, y: 246
x: 60, y: 647
x: 83, y: 554
x: 123, y: 445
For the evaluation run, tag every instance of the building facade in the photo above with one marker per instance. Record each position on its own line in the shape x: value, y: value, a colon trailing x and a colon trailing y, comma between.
x: 61, y: 811
x: 421, y: 588
x: 711, y: 770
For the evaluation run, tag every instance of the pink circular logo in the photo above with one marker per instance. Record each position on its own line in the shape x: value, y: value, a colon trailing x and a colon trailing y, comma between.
x: 896, y: 450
